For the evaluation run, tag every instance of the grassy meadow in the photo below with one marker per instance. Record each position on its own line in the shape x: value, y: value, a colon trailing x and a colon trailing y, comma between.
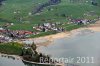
x: 19, y: 12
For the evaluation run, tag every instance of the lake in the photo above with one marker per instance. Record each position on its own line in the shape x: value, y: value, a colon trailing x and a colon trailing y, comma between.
x: 7, y: 61
x: 84, y: 47
x: 14, y: 61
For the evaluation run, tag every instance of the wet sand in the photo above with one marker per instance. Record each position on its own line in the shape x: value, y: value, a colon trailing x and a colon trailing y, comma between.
x: 44, y: 41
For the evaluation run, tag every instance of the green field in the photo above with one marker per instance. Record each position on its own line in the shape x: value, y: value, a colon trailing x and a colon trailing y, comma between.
x: 24, y: 7
x: 11, y: 48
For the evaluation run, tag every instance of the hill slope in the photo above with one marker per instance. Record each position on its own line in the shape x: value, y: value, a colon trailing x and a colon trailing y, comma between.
x: 20, y: 12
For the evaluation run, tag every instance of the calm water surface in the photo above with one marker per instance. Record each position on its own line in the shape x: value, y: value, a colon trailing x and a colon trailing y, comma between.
x: 85, y: 44
x: 9, y: 61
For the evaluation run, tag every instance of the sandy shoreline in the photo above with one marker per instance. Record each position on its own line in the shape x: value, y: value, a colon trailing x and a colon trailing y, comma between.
x: 46, y: 40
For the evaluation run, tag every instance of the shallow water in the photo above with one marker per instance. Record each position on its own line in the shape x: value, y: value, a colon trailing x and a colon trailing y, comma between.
x: 13, y: 61
x: 5, y: 61
x: 85, y: 44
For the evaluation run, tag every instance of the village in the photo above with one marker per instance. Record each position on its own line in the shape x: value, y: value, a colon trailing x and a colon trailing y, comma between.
x: 8, y: 35
x: 32, y: 31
